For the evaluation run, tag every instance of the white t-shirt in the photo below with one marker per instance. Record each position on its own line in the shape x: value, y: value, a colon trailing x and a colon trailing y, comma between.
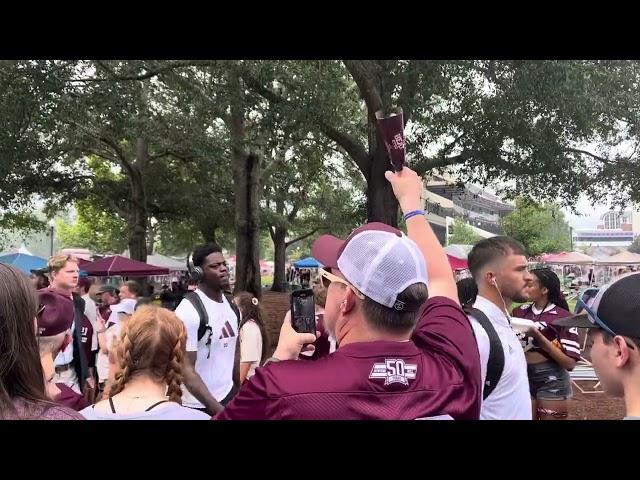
x: 65, y: 357
x: 90, y: 312
x: 510, y: 400
x: 170, y: 411
x: 214, y: 364
x: 102, y: 362
x: 250, y: 346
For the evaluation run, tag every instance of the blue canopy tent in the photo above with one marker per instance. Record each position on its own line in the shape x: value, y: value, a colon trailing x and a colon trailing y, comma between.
x: 308, y: 262
x: 24, y: 262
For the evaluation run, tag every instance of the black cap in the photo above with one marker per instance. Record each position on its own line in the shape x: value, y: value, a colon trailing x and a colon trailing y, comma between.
x: 40, y: 271
x: 617, y: 306
x: 106, y: 288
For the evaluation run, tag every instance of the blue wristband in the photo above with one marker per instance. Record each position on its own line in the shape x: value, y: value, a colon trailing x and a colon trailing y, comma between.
x: 414, y: 213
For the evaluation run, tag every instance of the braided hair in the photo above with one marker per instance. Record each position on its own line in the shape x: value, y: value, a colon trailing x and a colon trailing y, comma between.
x: 551, y: 282
x: 152, y: 343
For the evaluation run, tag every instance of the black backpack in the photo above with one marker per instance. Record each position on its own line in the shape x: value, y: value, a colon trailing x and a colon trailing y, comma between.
x: 196, y: 301
x: 495, y: 363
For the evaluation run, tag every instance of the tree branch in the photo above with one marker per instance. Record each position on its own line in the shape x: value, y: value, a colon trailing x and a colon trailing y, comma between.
x: 354, y: 149
x: 301, y: 237
x: 145, y: 76
x: 592, y: 155
x: 426, y: 164
x: 361, y: 76
x: 120, y: 153
x: 292, y: 215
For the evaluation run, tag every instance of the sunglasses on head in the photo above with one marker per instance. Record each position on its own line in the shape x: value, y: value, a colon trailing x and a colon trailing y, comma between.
x: 328, y: 278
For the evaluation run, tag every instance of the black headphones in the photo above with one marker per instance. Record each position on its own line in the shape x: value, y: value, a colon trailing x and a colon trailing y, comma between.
x: 195, y: 273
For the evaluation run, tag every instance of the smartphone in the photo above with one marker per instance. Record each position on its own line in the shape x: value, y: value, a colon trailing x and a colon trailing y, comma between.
x: 303, y: 311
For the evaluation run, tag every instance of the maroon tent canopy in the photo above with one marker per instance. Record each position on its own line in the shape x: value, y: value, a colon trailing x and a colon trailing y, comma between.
x: 457, y: 263
x: 125, y: 267
x: 82, y: 262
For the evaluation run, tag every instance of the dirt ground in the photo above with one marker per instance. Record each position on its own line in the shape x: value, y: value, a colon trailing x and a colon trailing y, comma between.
x: 592, y: 406
x: 595, y: 406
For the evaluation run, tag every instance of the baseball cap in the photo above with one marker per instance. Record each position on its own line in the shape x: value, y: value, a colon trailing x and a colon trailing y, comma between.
x: 615, y: 309
x: 128, y: 306
x: 55, y: 312
x: 106, y: 288
x: 40, y: 271
x: 377, y: 259
x: 84, y: 282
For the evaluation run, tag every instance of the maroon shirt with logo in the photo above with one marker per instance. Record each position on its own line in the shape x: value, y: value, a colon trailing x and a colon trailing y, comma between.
x: 437, y: 372
x: 85, y: 338
x: 566, y: 339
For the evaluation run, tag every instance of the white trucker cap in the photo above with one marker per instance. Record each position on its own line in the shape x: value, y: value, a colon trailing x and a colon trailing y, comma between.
x: 377, y: 259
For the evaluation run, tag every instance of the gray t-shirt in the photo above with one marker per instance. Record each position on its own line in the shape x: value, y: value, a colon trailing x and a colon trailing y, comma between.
x: 169, y: 411
x: 631, y: 418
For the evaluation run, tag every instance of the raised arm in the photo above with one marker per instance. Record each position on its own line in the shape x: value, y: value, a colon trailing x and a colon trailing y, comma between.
x: 407, y: 187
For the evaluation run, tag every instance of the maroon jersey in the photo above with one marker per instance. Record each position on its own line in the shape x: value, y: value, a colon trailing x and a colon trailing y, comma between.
x: 437, y: 372
x: 105, y: 312
x: 70, y: 399
x: 566, y: 339
x: 85, y: 338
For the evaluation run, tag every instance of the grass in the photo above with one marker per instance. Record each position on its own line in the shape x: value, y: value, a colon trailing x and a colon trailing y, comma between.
x: 266, y: 280
x: 572, y: 305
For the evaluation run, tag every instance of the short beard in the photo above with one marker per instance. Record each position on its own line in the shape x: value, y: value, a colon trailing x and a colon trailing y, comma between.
x: 519, y: 298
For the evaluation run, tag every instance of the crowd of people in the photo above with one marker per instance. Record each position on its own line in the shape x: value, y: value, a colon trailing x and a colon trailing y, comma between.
x: 396, y: 338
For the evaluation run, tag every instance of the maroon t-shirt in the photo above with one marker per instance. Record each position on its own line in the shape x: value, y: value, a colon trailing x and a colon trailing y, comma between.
x: 437, y: 372
x: 105, y: 312
x: 566, y: 339
x: 70, y: 399
x: 85, y: 338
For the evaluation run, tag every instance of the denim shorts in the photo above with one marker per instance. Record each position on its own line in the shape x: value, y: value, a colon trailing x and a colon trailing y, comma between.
x: 549, y: 381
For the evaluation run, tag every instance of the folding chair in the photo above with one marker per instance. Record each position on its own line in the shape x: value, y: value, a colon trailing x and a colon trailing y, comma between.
x: 584, y: 372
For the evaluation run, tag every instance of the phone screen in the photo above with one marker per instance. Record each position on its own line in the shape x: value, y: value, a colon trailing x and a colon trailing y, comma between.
x: 303, y: 311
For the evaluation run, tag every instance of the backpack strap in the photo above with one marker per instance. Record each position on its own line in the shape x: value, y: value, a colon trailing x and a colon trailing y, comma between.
x: 234, y: 307
x: 495, y: 363
x: 156, y: 404
x: 196, y: 301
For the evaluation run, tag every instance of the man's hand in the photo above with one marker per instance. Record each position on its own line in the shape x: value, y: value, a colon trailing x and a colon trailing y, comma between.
x: 100, y: 323
x: 291, y: 343
x: 407, y: 187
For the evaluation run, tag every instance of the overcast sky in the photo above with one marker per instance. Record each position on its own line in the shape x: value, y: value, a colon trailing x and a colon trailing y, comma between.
x: 589, y: 216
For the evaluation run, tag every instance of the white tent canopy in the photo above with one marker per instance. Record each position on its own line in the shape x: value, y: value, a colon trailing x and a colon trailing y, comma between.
x: 622, y: 258
x: 162, y: 261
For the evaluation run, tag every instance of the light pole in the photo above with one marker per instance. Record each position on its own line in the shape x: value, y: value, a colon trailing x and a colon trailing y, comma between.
x: 52, y: 225
x: 571, y: 236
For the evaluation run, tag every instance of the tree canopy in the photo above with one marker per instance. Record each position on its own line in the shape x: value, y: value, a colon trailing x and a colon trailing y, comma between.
x: 540, y: 227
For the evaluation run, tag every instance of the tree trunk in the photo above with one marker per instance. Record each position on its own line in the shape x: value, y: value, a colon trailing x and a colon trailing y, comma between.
x: 209, y: 234
x: 151, y: 239
x: 279, y: 259
x: 382, y: 205
x: 138, y: 220
x: 246, y: 176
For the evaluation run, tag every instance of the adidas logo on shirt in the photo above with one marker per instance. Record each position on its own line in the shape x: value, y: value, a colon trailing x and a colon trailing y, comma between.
x: 227, y: 331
